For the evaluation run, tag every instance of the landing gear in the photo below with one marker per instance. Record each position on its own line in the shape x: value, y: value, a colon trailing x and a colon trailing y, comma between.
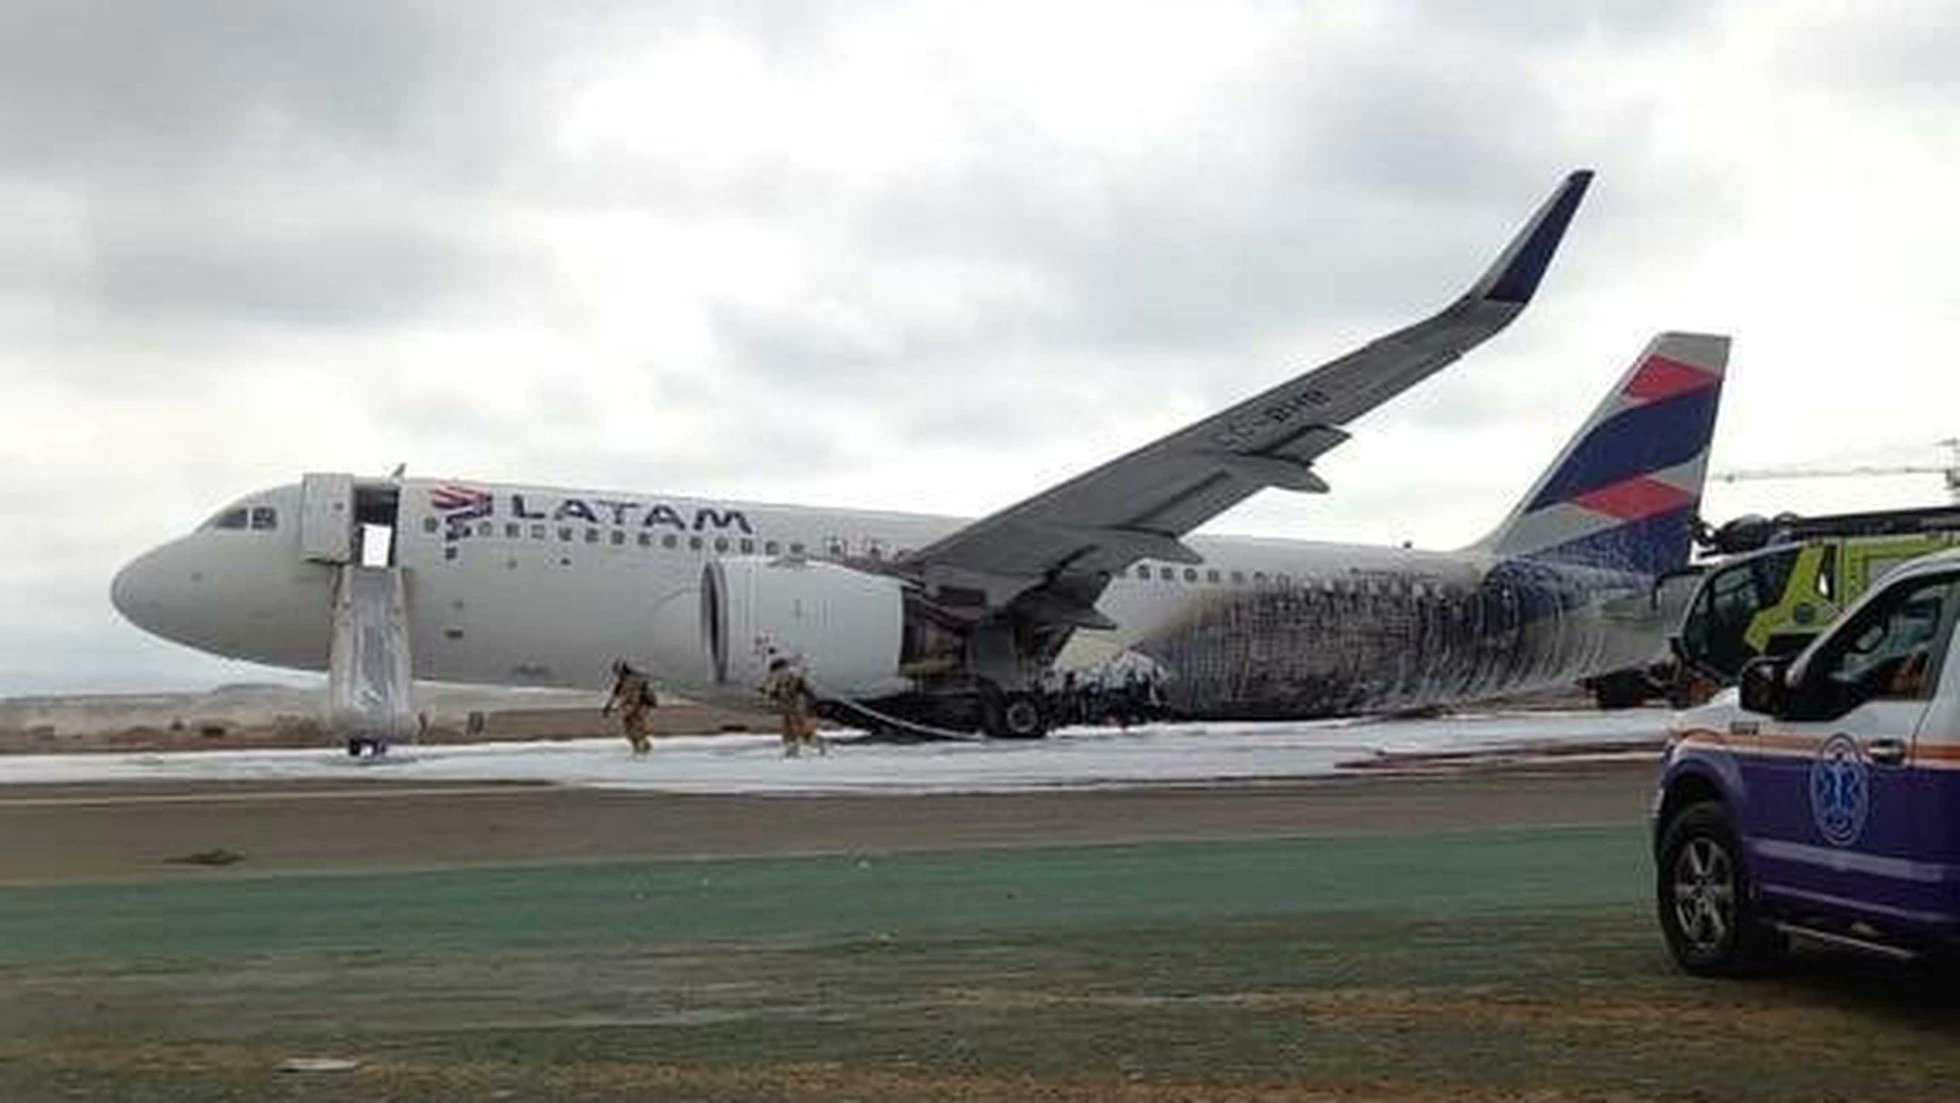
x: 371, y: 748
x: 1013, y: 715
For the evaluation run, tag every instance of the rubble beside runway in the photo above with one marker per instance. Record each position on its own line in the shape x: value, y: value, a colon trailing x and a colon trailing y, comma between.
x: 1083, y: 758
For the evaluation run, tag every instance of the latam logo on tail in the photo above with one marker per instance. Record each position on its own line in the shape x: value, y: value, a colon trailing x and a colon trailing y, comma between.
x: 459, y: 504
x: 1667, y: 415
x: 1624, y: 493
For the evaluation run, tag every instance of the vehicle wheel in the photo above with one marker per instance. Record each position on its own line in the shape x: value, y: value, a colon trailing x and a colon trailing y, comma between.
x: 356, y: 748
x: 1702, y: 891
x: 1015, y: 716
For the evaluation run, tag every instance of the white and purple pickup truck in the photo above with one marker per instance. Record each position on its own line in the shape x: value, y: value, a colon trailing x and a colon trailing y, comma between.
x: 1821, y: 798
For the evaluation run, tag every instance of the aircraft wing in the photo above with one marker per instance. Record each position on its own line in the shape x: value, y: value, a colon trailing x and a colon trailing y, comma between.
x: 1140, y: 505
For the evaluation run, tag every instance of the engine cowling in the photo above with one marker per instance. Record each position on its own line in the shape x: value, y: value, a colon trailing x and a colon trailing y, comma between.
x: 847, y: 627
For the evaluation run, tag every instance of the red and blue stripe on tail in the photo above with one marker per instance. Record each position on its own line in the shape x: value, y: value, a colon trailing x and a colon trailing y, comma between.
x: 1624, y: 493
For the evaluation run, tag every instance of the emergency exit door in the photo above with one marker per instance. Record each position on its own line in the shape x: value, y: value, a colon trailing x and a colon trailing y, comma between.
x: 327, y: 526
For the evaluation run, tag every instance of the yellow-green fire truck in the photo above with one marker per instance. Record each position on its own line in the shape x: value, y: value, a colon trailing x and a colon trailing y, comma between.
x: 1777, y: 598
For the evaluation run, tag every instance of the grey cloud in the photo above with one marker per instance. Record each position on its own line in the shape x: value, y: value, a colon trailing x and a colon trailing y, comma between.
x: 1418, y: 177
x: 322, y: 269
x: 465, y: 92
x: 1908, y: 52
x: 146, y: 84
x: 1557, y: 23
x: 762, y: 439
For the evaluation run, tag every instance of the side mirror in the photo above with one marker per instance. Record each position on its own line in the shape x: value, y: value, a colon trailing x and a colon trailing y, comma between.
x: 1762, y: 687
x: 1785, y: 645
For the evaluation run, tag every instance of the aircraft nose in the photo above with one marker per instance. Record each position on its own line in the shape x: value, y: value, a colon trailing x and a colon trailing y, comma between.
x: 136, y: 593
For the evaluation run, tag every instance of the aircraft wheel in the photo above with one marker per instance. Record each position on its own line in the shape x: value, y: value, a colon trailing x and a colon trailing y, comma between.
x: 1015, y: 716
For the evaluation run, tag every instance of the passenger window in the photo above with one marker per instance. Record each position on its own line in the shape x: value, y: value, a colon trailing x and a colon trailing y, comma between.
x: 1190, y: 574
x: 1238, y: 578
x: 618, y: 538
x: 721, y: 544
x: 1211, y: 576
x: 646, y: 540
x: 1892, y: 652
x: 748, y: 546
x: 430, y: 524
x: 694, y: 543
x: 264, y: 518
x: 796, y: 548
x: 537, y: 532
x: 1167, y: 574
x: 771, y: 548
x: 513, y: 530
x: 565, y: 533
x: 670, y: 541
x: 592, y: 536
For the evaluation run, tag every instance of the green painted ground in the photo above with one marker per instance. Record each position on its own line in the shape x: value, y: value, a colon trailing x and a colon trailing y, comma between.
x: 1449, y: 966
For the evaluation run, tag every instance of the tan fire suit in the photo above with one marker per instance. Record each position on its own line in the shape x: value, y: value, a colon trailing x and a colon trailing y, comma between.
x: 634, y: 699
x: 790, y: 693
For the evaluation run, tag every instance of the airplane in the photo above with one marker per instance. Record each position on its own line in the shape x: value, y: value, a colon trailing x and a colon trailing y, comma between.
x: 953, y: 623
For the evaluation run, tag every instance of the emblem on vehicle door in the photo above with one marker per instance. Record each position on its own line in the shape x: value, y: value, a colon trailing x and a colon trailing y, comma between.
x: 1840, y: 790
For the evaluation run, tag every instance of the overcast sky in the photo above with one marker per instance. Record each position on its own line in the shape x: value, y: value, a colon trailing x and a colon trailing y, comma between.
x: 923, y: 256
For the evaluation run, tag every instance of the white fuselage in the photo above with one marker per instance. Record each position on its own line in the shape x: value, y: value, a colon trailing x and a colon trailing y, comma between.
x: 527, y: 585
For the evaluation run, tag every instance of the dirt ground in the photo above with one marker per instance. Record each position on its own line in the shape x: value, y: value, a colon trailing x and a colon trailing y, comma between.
x: 120, y: 830
x: 1461, y: 938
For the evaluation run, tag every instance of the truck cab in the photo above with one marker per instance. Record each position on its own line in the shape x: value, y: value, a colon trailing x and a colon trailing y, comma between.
x: 1777, y: 598
x: 1821, y: 797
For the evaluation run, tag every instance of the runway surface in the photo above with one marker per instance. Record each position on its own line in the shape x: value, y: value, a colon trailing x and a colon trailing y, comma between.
x: 121, y: 830
x: 1069, y: 759
x: 1467, y: 936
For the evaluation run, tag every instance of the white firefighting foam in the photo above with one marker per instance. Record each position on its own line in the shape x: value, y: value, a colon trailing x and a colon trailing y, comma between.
x: 1074, y: 758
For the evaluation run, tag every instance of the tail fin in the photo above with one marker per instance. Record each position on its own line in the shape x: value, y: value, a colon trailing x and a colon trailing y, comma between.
x: 1624, y: 492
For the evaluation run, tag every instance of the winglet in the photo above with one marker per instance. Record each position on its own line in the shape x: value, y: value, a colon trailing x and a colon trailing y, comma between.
x: 1516, y: 274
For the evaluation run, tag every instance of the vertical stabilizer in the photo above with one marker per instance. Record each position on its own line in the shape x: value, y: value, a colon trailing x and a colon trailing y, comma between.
x: 1624, y: 493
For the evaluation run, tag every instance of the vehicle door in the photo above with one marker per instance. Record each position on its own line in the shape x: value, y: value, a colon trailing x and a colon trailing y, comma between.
x: 1715, y: 636
x: 1829, y: 814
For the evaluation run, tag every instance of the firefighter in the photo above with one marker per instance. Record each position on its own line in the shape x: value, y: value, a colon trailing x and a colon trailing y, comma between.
x: 633, y: 696
x: 789, y: 691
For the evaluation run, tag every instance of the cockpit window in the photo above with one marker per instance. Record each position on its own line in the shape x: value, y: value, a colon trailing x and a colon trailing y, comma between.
x: 256, y: 518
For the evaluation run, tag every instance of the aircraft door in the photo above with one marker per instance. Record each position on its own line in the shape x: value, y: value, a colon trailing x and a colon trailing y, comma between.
x: 326, y: 518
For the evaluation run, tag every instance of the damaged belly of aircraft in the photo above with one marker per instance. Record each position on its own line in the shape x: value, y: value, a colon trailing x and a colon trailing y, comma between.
x: 1335, y: 647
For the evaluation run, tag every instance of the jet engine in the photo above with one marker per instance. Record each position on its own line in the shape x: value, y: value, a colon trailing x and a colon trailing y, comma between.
x: 846, y: 627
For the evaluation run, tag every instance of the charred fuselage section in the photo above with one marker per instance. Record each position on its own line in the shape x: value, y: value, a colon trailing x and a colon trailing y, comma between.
x: 1359, y: 642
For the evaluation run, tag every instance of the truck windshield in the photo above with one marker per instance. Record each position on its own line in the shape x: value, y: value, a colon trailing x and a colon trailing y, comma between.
x: 1714, y: 637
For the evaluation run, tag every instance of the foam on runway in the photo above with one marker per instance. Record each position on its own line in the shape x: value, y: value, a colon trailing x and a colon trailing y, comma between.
x: 1069, y: 759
